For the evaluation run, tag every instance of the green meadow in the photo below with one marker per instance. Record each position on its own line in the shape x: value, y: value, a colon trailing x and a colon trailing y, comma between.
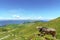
x: 28, y: 31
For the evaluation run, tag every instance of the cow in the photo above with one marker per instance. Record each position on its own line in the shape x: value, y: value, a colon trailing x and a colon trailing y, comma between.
x: 45, y: 30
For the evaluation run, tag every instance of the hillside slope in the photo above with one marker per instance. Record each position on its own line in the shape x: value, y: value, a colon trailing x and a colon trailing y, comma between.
x: 28, y: 31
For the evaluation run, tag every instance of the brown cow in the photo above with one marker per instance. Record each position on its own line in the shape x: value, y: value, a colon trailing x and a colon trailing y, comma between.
x: 44, y: 30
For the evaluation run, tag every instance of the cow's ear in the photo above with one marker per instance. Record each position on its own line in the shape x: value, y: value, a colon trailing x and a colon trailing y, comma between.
x: 37, y: 27
x: 40, y: 27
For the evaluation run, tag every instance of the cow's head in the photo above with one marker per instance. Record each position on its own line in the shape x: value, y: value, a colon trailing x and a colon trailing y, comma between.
x: 39, y: 28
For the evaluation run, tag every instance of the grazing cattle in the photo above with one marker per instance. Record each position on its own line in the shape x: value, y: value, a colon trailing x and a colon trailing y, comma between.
x: 44, y: 30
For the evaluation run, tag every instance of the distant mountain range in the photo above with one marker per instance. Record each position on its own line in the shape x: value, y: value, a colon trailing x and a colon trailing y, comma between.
x: 5, y: 22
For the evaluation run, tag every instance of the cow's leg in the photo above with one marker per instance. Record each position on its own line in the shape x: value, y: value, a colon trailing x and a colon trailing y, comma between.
x: 38, y: 34
x: 43, y: 33
x: 53, y: 35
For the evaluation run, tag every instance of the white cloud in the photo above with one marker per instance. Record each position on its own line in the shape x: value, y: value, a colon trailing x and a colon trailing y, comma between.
x: 16, y: 16
x: 40, y: 17
x: 43, y: 18
x: 3, y: 18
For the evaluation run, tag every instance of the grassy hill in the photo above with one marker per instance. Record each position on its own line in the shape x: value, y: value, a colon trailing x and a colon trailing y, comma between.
x: 28, y: 31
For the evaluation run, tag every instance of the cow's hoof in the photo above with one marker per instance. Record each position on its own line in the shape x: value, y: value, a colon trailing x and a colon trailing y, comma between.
x: 38, y: 34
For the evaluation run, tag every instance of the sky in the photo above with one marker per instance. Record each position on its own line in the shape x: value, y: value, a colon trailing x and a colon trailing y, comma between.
x: 29, y: 9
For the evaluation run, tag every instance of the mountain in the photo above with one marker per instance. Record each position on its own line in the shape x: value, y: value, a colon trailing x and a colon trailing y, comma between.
x: 5, y: 22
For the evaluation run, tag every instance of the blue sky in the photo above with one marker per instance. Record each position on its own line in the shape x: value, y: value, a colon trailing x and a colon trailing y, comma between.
x: 29, y: 9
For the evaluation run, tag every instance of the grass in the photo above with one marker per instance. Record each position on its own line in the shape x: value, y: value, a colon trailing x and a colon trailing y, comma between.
x: 28, y: 31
